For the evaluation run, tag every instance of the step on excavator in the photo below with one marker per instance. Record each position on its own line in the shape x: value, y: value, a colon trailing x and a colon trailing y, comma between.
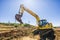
x: 44, y: 28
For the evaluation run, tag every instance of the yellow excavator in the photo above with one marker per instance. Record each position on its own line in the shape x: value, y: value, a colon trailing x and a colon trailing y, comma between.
x: 44, y: 29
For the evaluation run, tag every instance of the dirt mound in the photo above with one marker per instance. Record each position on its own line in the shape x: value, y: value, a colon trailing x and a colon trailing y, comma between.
x: 23, y: 33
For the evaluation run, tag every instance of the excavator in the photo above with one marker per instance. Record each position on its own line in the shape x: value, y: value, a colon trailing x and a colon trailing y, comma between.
x: 44, y: 28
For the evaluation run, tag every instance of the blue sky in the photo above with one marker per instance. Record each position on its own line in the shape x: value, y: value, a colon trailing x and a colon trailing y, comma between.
x: 45, y: 9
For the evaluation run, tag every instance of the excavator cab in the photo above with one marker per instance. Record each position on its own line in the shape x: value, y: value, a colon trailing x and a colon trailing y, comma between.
x: 43, y: 22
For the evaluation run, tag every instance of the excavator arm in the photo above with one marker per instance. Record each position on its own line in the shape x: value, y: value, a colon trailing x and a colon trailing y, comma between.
x: 30, y: 12
x: 18, y: 16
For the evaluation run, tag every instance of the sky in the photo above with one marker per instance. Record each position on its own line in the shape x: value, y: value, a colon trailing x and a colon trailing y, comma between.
x: 45, y: 9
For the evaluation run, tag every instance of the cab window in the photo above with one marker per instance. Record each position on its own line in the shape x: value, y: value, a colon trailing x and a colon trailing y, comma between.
x: 43, y: 22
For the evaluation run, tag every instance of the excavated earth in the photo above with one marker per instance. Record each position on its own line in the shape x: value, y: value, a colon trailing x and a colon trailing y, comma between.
x: 22, y: 33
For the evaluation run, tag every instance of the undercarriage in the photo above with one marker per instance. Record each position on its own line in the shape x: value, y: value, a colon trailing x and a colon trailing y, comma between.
x: 45, y: 34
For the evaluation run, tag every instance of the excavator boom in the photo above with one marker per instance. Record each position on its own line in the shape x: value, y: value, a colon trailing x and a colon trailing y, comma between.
x: 29, y: 11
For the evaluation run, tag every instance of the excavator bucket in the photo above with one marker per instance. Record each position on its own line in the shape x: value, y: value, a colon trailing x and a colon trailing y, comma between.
x: 18, y: 18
